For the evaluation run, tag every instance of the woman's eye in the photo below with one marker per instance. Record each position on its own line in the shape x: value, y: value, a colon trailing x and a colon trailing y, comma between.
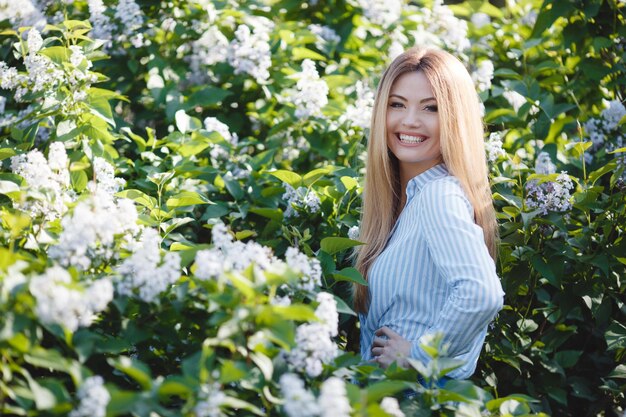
x: 432, y: 108
x: 396, y: 104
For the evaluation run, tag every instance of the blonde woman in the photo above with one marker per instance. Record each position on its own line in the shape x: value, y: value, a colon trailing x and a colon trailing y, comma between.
x: 428, y: 219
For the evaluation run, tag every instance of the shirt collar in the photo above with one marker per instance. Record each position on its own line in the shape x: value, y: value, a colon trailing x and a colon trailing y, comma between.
x: 418, y: 182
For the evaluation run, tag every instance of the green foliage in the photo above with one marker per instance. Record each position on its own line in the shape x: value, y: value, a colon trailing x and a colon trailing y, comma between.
x: 200, y: 140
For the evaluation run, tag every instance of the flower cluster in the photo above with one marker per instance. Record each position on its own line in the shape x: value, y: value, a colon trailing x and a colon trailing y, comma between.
x: 605, y: 132
x: 314, y: 343
x: 48, y: 182
x: 311, y: 93
x: 211, y: 399
x: 390, y: 406
x: 301, y: 402
x: 382, y: 12
x: 440, y: 27
x: 230, y: 255
x: 493, y: 146
x: 310, y: 269
x: 483, y: 75
x: 22, y: 13
x: 549, y: 195
x: 102, y: 26
x: 145, y: 271
x: 300, y: 199
x: 212, y: 124
x: 211, y: 48
x: 60, y: 301
x: 105, y: 179
x: 325, y: 35
x: 44, y: 78
x: 89, y: 235
x: 129, y: 20
x: 360, y: 113
x: 250, y: 51
x: 93, y: 397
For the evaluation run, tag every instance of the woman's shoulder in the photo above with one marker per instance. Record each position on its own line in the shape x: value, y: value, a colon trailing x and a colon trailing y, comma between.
x: 445, y: 193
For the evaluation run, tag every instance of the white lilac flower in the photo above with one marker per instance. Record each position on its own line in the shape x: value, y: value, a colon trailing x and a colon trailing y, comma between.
x: 299, y: 401
x: 209, y: 264
x: 93, y: 397
x: 480, y: 19
x: 544, y: 165
x: 21, y: 13
x: 283, y: 301
x: 301, y: 199
x: 390, y: 406
x: 212, y: 124
x: 483, y: 75
x: 100, y: 22
x: 130, y: 16
x: 360, y: 113
x: 493, y: 146
x: 314, y: 344
x: 292, y: 147
x: 59, y: 301
x: 310, y: 269
x: 34, y: 41
x: 382, y: 12
x: 211, y: 399
x: 145, y: 271
x: 439, y: 26
x: 106, y: 181
x: 333, y: 400
x: 77, y: 57
x: 210, y: 49
x: 612, y: 115
x: 42, y: 74
x: 3, y: 102
x: 311, y: 93
x: 515, y: 99
x: 9, y: 77
x: 324, y: 35
x: 550, y: 195
x: 250, y: 51
x: 48, y: 182
x: 353, y: 233
x: 88, y: 236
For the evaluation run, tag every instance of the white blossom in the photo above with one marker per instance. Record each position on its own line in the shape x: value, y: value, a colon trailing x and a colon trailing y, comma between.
x: 211, y: 48
x: 493, y: 146
x: 212, y: 124
x: 382, y: 12
x: 549, y: 195
x: 34, y: 41
x: 483, y: 75
x: 93, y: 397
x: 515, y: 99
x: 105, y: 179
x: 544, y: 165
x: 300, y: 199
x: 311, y: 93
x: 21, y: 13
x: 250, y: 51
x: 211, y: 399
x: 145, y: 271
x: 360, y: 113
x: 480, y: 19
x: 89, y: 234
x: 59, y: 301
x: 353, y: 233
x: 209, y: 264
x: 299, y: 401
x: 440, y: 27
x: 310, y: 269
x: 390, y: 406
x: 314, y: 344
x: 333, y: 400
x: 101, y: 23
x: 324, y: 35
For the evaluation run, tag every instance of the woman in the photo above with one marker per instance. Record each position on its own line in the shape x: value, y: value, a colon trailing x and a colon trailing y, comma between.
x: 428, y: 219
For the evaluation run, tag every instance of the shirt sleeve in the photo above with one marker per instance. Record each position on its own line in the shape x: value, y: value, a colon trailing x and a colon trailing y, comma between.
x: 457, y: 247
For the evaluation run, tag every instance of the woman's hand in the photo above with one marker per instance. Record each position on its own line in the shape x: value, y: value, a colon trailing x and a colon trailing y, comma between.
x: 391, y: 348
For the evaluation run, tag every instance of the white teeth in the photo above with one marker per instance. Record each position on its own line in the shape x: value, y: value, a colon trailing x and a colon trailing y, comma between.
x: 412, y: 139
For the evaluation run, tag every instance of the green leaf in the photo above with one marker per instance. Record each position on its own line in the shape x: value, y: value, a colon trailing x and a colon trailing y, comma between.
x: 135, y: 369
x: 58, y: 54
x: 231, y: 371
x: 270, y: 213
x: 6, y: 153
x: 350, y: 274
x: 378, y: 390
x: 186, y: 198
x: 615, y: 336
x: 79, y: 180
x: 332, y: 245
x: 207, y: 96
x: 289, y: 177
x: 299, y: 53
x: 8, y: 187
x: 138, y: 197
x: 349, y: 182
x: 310, y: 177
x: 545, y: 271
x: 264, y: 363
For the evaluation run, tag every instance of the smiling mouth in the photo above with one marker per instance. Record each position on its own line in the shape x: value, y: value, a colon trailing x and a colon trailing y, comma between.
x: 411, y: 139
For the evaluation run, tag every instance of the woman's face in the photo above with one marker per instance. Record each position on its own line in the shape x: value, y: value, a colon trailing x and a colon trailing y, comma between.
x: 413, y: 124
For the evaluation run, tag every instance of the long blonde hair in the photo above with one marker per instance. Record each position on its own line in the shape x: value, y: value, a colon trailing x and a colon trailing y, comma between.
x: 462, y: 150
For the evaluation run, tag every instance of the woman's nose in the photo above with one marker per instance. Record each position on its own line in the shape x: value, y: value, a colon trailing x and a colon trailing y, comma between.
x: 411, y: 118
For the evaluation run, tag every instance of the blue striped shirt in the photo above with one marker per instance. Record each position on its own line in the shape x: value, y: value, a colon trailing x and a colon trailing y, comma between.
x: 435, y: 274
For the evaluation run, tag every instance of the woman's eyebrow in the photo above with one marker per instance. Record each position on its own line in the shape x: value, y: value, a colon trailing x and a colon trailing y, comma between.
x: 403, y: 98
